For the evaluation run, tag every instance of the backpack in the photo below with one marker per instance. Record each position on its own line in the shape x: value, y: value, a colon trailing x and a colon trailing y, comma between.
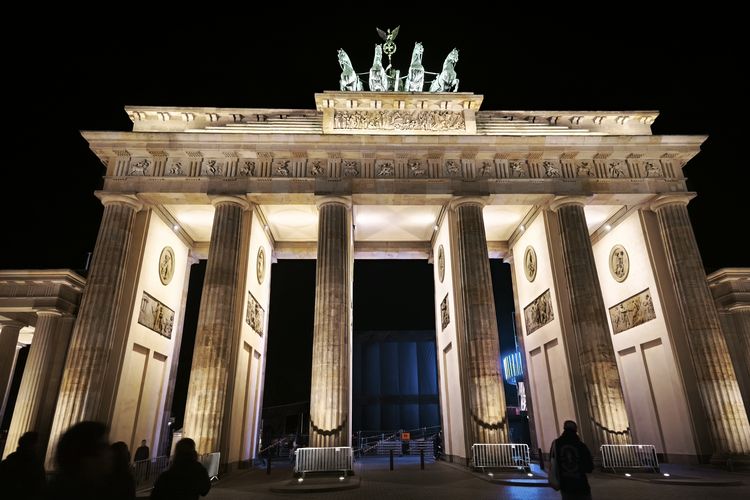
x: 554, y: 474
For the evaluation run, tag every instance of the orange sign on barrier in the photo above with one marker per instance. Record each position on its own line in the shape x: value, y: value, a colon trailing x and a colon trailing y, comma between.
x: 405, y: 436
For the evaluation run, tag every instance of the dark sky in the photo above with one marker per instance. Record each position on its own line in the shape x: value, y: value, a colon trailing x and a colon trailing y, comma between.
x: 87, y: 70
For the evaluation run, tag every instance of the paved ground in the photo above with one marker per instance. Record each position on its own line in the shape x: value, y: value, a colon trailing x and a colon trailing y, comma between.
x: 446, y: 481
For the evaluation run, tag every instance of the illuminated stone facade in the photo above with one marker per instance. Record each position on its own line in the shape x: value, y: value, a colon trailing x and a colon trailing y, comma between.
x: 405, y: 175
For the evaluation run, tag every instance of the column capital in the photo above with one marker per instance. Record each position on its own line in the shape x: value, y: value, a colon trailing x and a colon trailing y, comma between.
x: 233, y: 200
x: 193, y: 258
x: 11, y: 323
x: 468, y: 200
x: 49, y: 312
x: 561, y: 201
x: 669, y: 199
x: 325, y: 200
x: 119, y: 199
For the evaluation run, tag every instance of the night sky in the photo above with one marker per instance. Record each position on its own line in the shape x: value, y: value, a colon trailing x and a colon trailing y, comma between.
x: 89, y: 69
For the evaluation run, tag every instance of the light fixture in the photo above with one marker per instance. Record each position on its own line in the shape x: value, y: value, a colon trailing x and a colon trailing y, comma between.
x: 666, y: 474
x: 341, y: 478
x: 176, y: 227
x: 530, y: 474
x: 300, y: 479
x: 607, y: 227
x: 522, y: 228
x: 627, y: 474
x: 437, y: 227
x: 490, y: 474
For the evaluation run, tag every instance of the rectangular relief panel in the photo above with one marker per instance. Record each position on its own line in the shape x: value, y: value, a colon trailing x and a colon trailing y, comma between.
x: 632, y: 312
x: 539, y: 312
x: 156, y: 316
x: 445, y: 315
x: 255, y: 314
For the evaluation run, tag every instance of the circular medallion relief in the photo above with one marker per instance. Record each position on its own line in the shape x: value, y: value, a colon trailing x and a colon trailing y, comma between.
x: 260, y: 265
x: 441, y: 263
x: 619, y: 263
x: 166, y: 265
x: 529, y: 263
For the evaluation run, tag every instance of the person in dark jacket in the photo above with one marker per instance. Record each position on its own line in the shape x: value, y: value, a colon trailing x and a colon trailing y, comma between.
x: 22, y: 472
x: 186, y: 478
x: 573, y: 463
x: 142, y: 452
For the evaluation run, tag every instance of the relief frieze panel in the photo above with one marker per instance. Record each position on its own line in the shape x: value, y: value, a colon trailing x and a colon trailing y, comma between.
x: 433, y: 121
x: 212, y: 167
x: 266, y: 166
x: 632, y: 312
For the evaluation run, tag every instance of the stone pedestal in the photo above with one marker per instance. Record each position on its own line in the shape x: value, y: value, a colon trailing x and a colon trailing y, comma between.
x: 487, y: 419
x: 91, y: 341
x: 38, y: 390
x: 717, y: 382
x: 331, y: 382
x: 8, y: 354
x: 204, y: 410
x: 598, y: 366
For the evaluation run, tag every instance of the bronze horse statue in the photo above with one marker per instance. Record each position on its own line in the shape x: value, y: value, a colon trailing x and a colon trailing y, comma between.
x: 446, y: 81
x: 349, y: 79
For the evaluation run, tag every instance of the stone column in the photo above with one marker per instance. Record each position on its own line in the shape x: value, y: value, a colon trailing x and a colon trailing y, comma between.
x: 330, y: 391
x: 91, y: 340
x: 487, y: 412
x: 204, y: 410
x: 717, y: 381
x: 33, y: 411
x: 598, y: 366
x: 9, y: 348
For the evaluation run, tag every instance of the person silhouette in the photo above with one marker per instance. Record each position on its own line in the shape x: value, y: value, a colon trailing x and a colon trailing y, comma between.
x: 186, y: 478
x: 573, y: 463
x: 122, y: 480
x: 22, y: 473
x: 84, y: 464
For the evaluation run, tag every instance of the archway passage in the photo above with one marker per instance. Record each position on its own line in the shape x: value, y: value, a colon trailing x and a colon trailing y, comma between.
x: 394, y: 368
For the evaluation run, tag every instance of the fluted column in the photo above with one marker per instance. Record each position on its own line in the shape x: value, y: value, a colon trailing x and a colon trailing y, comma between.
x: 487, y: 411
x: 31, y: 412
x: 204, y: 410
x: 93, y: 333
x: 9, y: 348
x: 717, y: 382
x: 331, y: 385
x: 598, y: 365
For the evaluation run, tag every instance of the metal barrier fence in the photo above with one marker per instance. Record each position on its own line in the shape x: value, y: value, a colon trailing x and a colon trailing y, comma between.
x: 323, y: 460
x: 629, y: 456
x: 500, y: 456
x: 211, y: 462
x: 145, y: 472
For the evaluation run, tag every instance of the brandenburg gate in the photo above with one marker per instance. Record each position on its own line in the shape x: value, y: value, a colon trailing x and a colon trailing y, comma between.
x: 619, y: 329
